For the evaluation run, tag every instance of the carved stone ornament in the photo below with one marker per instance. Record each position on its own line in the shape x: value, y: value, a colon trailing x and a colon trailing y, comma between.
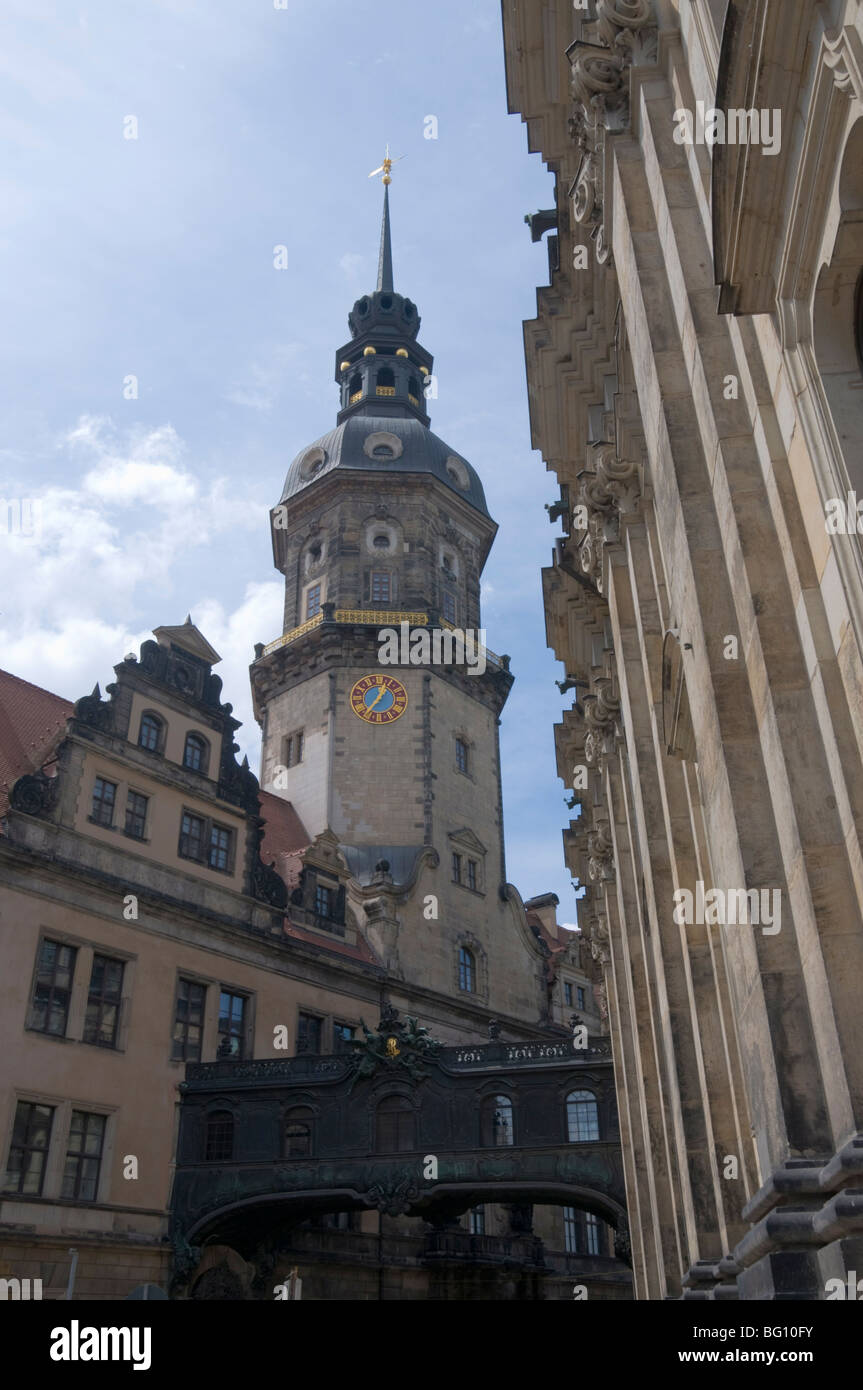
x: 395, y: 1193
x: 600, y: 850
x: 93, y: 711
x: 34, y: 794
x: 268, y: 886
x: 601, y: 712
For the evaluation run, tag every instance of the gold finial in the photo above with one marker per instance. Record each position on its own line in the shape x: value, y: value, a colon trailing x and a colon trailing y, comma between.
x: 386, y: 167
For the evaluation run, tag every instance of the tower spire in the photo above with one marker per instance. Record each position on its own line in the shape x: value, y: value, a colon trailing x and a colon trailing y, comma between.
x: 385, y: 259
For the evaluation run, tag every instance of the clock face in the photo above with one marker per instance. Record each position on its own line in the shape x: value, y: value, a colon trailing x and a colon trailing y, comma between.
x: 378, y: 699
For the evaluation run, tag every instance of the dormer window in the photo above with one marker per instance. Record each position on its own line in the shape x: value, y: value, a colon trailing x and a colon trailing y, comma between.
x: 150, y: 733
x: 195, y: 753
x: 382, y: 451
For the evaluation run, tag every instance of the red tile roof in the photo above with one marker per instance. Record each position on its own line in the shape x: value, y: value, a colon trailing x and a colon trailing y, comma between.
x: 32, y: 722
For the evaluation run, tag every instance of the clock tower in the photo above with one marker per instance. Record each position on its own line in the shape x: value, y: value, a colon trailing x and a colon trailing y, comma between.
x: 377, y: 726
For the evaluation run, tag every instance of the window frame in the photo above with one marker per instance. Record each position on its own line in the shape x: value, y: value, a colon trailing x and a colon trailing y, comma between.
x: 103, y: 1002
x: 574, y: 1102
x: 161, y: 727
x: 304, y: 1015
x: 404, y: 1118
x: 313, y: 598
x: 462, y: 756
x: 219, y: 1147
x: 53, y: 987
x: 490, y: 1130
x: 198, y: 740
x: 466, y: 970
x: 210, y: 825
x: 97, y: 799
x: 27, y: 1148
x: 243, y: 1034
x: 129, y: 814
x: 381, y: 579
x: 186, y: 1023
x: 83, y: 1157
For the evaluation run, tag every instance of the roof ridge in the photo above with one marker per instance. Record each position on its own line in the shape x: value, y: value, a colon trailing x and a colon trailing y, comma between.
x: 10, y: 675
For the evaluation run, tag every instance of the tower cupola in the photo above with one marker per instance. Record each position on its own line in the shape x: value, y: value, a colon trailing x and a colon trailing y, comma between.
x: 383, y: 370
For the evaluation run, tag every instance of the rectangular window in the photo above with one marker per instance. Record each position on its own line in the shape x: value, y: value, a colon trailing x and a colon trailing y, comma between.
x: 309, y: 1033
x: 136, y: 815
x: 579, y: 994
x: 191, y: 837
x: 591, y: 1231
x: 456, y: 868
x: 471, y: 873
x: 188, y: 1022
x: 50, y: 1010
x: 103, y: 1002
x: 294, y: 748
x: 342, y: 1035
x: 449, y: 608
x: 83, y: 1157
x: 103, y: 801
x: 323, y: 901
x: 380, y: 586
x: 220, y: 848
x: 232, y: 1024
x: 477, y: 1221
x: 461, y: 755
x: 567, y: 993
x: 313, y: 601
x: 28, y: 1154
x: 570, y: 1230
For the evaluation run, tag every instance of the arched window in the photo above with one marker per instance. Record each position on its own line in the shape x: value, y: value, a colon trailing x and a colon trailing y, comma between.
x: 414, y: 389
x: 582, y: 1117
x: 386, y: 382
x: 220, y: 1136
x: 496, y: 1122
x: 466, y: 962
x: 195, y: 753
x: 355, y: 389
x: 150, y: 733
x: 299, y: 1125
x: 395, y: 1126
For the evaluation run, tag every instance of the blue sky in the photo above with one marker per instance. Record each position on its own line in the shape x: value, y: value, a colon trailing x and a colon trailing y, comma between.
x: 153, y: 258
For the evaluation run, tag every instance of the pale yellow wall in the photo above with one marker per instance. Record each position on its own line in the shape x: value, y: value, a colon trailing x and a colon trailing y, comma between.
x: 164, y: 813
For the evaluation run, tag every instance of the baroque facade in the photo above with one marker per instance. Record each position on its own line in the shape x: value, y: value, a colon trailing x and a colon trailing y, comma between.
x: 694, y: 374
x: 303, y: 1024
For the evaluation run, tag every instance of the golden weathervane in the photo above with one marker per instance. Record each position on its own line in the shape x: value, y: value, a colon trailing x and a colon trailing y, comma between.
x: 386, y: 167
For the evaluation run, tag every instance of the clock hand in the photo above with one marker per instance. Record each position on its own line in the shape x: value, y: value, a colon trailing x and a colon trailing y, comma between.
x: 377, y: 698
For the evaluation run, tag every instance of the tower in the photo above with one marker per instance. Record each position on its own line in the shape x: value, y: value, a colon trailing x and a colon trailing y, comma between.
x: 382, y: 526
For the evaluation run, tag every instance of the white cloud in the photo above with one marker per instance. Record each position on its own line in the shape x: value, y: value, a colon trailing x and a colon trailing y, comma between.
x: 104, y: 571
x: 263, y: 381
x: 351, y: 264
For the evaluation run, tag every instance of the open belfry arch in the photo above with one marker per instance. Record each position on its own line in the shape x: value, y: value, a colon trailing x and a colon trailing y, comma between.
x: 695, y: 385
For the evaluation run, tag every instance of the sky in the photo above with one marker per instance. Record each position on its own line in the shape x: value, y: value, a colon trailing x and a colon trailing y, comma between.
x: 160, y: 374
